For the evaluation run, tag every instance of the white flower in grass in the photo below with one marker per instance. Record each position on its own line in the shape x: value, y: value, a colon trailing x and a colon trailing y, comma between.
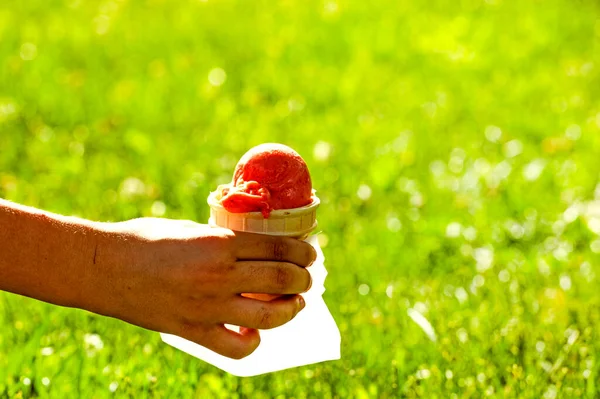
x: 534, y: 169
x: 217, y: 76
x: 93, y: 341
x: 493, y: 133
x: 364, y: 192
x: 513, y: 148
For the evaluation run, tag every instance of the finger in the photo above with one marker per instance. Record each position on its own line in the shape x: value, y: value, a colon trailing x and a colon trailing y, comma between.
x: 264, y: 247
x: 269, y: 278
x: 233, y: 344
x: 252, y: 313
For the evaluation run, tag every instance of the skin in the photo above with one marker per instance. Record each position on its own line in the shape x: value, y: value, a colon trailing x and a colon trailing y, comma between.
x: 171, y: 276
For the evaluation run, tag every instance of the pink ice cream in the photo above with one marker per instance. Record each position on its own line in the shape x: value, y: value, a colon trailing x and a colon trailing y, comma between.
x: 268, y: 177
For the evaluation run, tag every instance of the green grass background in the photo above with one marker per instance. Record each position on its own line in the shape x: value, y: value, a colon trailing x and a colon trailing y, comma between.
x: 107, y: 111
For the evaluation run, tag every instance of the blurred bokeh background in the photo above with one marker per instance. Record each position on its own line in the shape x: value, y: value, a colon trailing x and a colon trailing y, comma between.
x: 455, y: 146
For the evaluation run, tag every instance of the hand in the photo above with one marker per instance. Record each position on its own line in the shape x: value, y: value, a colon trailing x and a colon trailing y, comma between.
x: 186, y: 279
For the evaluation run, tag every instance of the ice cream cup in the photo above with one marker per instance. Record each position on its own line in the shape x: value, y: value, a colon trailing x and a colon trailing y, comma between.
x: 296, y: 222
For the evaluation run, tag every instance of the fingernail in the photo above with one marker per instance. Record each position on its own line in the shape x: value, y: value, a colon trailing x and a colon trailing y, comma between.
x: 300, y: 303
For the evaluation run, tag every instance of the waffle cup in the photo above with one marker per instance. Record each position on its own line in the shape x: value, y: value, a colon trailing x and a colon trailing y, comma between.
x: 296, y: 222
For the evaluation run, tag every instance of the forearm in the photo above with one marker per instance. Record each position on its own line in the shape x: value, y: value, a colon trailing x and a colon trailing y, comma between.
x: 48, y: 257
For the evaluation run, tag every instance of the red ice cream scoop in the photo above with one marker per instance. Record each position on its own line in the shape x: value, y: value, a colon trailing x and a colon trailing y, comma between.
x: 268, y: 177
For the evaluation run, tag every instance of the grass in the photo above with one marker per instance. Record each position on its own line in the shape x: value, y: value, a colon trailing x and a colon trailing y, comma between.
x: 454, y: 146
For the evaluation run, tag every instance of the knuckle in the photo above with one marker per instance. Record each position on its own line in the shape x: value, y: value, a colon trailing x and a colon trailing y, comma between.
x: 283, y: 277
x: 222, y: 239
x: 277, y: 249
x: 255, y: 272
x: 266, y: 318
x: 191, y: 331
x: 215, y: 276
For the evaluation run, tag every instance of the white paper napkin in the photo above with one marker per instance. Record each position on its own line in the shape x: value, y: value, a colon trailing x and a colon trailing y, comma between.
x: 311, y: 337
